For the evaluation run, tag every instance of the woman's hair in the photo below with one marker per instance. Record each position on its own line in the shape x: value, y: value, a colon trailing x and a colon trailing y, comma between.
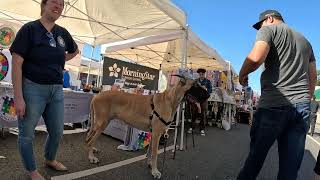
x: 43, y: 2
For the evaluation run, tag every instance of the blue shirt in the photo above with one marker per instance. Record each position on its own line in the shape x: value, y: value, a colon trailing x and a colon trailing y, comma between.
x: 66, y: 79
x: 206, y: 82
x: 43, y: 63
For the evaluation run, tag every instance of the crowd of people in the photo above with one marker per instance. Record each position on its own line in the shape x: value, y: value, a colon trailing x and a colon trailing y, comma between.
x: 41, y: 48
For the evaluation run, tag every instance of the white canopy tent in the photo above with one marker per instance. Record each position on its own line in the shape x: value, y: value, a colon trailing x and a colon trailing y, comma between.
x: 97, y: 22
x: 165, y: 51
x: 102, y: 21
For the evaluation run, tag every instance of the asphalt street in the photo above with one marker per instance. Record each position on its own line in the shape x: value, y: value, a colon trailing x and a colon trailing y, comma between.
x: 217, y: 156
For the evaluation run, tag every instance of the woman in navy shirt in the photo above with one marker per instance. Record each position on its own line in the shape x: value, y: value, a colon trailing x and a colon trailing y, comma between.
x: 39, y: 53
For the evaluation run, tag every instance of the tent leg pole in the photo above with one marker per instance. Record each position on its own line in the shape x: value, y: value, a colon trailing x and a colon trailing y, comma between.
x: 89, y: 68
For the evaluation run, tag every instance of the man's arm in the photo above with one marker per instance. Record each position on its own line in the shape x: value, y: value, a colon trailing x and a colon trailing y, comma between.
x: 253, y: 61
x: 312, y: 77
x: 71, y: 55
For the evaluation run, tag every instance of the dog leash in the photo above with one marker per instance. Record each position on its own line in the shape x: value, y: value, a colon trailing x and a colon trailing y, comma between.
x: 166, y: 136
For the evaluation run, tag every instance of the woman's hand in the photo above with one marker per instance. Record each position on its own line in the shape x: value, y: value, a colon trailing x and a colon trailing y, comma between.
x: 20, y: 106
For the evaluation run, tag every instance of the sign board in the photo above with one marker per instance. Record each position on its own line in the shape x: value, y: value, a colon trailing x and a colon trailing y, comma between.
x: 131, y: 74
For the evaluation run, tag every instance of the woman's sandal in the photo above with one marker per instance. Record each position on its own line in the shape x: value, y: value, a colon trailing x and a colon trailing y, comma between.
x: 56, y: 165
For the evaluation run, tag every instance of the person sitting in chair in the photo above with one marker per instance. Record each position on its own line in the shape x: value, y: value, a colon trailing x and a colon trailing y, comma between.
x: 205, y: 84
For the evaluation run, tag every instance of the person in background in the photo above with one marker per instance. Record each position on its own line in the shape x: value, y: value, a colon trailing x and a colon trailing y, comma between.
x: 93, y: 83
x: 313, y: 114
x: 39, y: 52
x: 205, y: 84
x: 287, y: 84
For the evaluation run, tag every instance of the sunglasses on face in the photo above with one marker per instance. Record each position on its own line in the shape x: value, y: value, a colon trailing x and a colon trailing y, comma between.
x: 52, y: 41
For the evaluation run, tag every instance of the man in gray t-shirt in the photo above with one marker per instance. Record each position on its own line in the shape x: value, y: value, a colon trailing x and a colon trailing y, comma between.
x: 287, y: 83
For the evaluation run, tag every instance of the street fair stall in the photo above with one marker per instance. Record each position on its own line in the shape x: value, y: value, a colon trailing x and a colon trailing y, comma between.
x: 76, y: 107
x: 153, y: 33
x: 221, y: 103
x: 78, y: 67
x: 246, y: 100
x: 100, y: 21
x: 167, y: 53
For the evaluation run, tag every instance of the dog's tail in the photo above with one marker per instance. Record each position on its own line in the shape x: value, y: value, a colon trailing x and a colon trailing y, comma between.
x: 90, y: 134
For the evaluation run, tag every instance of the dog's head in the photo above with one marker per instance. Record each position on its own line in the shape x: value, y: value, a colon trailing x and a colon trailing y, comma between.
x: 185, y: 82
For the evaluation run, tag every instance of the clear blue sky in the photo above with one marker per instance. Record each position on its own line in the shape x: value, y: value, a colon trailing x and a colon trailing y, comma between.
x: 226, y: 25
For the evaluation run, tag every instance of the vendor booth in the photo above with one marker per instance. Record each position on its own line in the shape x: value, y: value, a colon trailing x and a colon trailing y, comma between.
x: 166, y: 53
x: 76, y: 107
x: 151, y: 33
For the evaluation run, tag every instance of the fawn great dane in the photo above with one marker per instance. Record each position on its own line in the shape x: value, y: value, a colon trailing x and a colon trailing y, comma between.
x: 154, y: 112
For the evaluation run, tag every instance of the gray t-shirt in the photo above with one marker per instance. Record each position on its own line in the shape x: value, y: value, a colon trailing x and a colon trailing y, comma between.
x: 285, y: 78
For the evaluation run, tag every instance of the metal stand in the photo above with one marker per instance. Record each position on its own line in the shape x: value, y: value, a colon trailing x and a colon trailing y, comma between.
x: 186, y: 131
x: 179, y: 128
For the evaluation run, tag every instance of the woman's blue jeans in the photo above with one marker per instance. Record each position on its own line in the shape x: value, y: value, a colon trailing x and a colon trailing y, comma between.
x: 46, y: 101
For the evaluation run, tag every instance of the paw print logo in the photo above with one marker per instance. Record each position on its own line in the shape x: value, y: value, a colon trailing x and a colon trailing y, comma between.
x: 114, y: 70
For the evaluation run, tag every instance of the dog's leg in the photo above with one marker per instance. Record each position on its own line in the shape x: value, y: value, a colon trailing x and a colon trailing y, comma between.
x: 93, y: 137
x: 97, y: 128
x: 95, y: 150
x: 155, y: 143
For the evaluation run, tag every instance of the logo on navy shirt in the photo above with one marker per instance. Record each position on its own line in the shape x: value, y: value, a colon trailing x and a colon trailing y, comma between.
x: 61, y: 41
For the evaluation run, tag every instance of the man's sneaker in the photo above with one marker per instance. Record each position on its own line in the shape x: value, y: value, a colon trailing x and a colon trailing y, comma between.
x: 202, y: 133
x: 190, y: 131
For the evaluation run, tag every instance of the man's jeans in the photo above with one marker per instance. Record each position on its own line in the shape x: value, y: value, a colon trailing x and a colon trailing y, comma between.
x: 286, y: 124
x: 45, y: 100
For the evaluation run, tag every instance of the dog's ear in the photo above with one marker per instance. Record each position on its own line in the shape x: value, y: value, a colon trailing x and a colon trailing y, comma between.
x: 183, y: 79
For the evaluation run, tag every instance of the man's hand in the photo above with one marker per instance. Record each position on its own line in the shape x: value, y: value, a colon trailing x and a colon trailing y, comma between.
x: 20, y: 106
x: 244, y: 80
x: 204, y: 87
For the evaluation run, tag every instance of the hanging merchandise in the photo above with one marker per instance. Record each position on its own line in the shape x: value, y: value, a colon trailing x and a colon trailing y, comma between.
x: 229, y: 80
x: 4, y: 66
x: 144, y: 139
x: 223, y: 78
x: 7, y: 35
x: 216, y: 79
x: 210, y: 76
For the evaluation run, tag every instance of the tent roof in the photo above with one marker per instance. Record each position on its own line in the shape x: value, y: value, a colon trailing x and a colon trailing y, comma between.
x: 166, y: 50
x: 103, y: 21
